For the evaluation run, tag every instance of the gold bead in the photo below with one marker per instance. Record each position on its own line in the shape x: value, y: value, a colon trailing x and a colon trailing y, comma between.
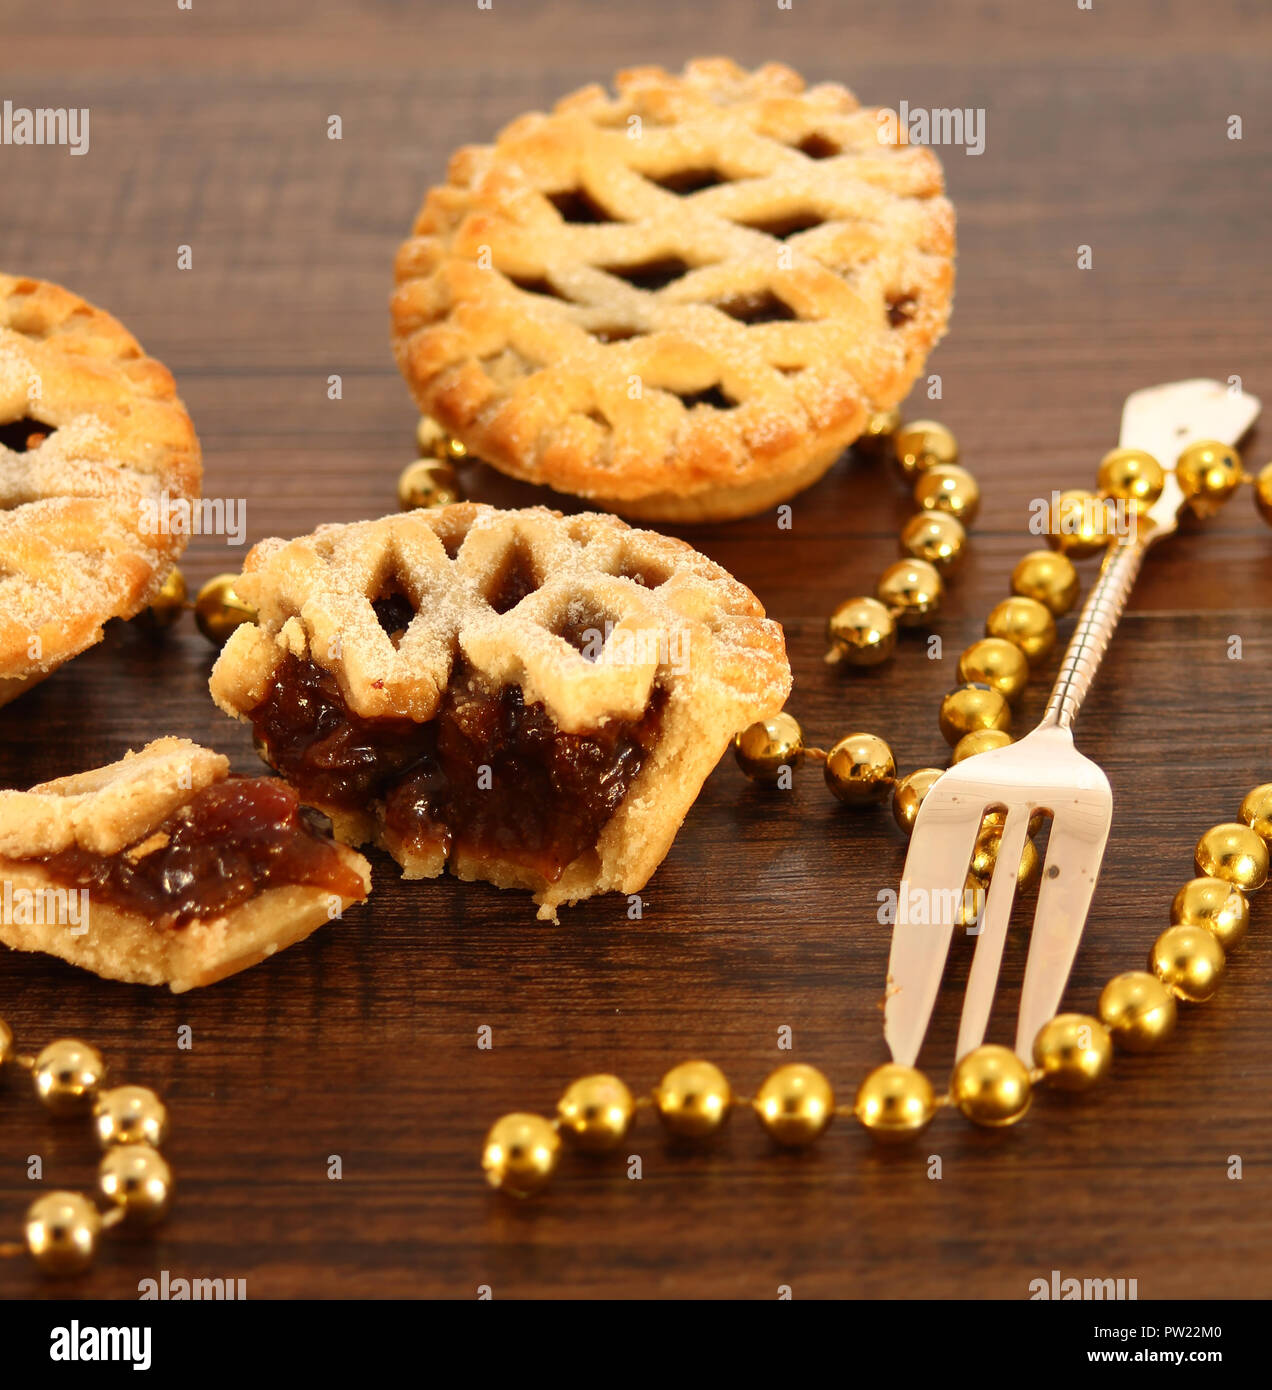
x: 1025, y: 623
x: 979, y: 741
x: 764, y: 748
x: 861, y: 632
x: 1138, y: 1010
x: 67, y: 1074
x: 596, y: 1112
x: 935, y: 537
x: 427, y: 483
x: 972, y: 707
x: 170, y: 602
x: 693, y: 1100
x: 880, y: 428
x: 860, y: 769
x: 1079, y: 524
x: 795, y: 1104
x: 894, y: 1102
x: 1188, y: 961
x: 1208, y: 473
x: 130, y: 1115
x: 1074, y: 1051
x: 1048, y: 578
x: 991, y: 1086
x: 137, y: 1179
x: 969, y: 907
x: 985, y: 851
x: 430, y: 437
x: 908, y: 795
x: 921, y: 445
x: 1263, y: 492
x: 1256, y: 811
x: 455, y: 449
x: 1234, y: 852
x: 218, y: 610
x: 1131, y: 475
x: 911, y: 590
x: 1030, y: 865
x: 948, y: 488
x: 61, y: 1232
x: 995, y: 662
x: 6, y: 1042
x: 520, y: 1154
x: 1215, y: 904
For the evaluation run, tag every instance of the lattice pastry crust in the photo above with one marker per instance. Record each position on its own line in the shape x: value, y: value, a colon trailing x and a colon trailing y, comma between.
x: 77, y: 546
x: 681, y: 301
x: 119, y: 810
x: 595, y: 626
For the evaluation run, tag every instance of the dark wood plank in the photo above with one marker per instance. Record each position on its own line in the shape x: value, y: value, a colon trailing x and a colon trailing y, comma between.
x: 1103, y: 128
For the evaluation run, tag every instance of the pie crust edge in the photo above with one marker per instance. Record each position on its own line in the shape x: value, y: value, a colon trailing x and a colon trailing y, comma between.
x: 91, y: 372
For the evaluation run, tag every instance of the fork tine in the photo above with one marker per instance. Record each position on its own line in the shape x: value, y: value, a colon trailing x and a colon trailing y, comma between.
x: 983, y: 978
x: 1074, y: 852
x: 935, y: 871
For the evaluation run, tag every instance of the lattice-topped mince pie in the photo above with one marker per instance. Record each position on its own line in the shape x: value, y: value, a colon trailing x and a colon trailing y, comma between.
x: 531, y: 699
x: 681, y: 301
x: 93, y: 441
x: 164, y: 869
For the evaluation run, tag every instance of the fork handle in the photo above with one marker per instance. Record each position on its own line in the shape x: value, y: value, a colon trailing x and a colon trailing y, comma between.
x: 1094, y: 631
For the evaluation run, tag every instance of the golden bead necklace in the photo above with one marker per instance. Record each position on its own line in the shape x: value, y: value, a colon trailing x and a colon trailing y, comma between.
x: 62, y: 1229
x: 991, y: 1086
x: 863, y: 631
x: 1020, y: 631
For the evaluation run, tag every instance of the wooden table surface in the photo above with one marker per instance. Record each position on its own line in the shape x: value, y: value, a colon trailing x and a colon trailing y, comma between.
x: 1106, y: 128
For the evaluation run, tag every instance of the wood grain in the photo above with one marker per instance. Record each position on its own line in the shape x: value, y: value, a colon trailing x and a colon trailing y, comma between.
x: 1104, y: 128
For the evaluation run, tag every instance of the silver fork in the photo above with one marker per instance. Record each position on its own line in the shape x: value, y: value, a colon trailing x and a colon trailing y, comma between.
x: 1041, y: 772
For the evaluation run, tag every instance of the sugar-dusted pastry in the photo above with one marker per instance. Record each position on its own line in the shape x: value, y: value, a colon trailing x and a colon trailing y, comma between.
x: 164, y: 869
x: 534, y: 700
x: 97, y: 460
x: 681, y: 301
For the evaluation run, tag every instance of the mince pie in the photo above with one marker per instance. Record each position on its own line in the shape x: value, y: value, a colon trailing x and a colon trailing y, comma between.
x: 531, y: 699
x: 163, y: 869
x: 681, y: 301
x: 95, y: 452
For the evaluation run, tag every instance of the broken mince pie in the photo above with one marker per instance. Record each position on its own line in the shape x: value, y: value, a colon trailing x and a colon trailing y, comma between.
x: 96, y: 452
x: 682, y: 301
x: 534, y: 700
x: 163, y: 869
